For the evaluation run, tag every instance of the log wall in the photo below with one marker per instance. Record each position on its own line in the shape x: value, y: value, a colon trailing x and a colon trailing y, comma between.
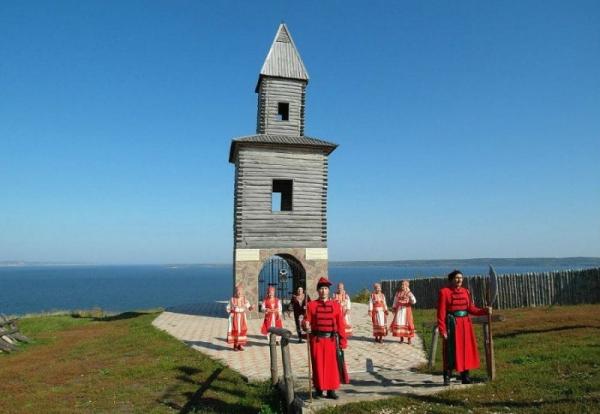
x: 271, y: 92
x: 255, y: 225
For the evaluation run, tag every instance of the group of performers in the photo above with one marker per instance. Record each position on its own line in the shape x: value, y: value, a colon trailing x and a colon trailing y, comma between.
x: 402, y: 325
x: 326, y: 322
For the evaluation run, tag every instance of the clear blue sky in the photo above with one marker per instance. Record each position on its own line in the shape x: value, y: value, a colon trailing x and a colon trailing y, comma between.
x: 466, y: 129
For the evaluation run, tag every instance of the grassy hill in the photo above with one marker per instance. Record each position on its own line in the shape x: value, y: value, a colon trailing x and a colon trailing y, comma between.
x: 548, y: 361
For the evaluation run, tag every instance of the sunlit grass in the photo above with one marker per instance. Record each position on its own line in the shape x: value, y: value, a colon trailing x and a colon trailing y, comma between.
x: 119, y: 363
x: 547, y: 361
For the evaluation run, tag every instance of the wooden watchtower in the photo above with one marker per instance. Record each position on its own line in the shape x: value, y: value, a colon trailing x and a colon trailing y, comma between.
x: 280, y: 202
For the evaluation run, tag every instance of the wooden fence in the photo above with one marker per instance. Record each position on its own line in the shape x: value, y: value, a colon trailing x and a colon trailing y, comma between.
x: 565, y: 287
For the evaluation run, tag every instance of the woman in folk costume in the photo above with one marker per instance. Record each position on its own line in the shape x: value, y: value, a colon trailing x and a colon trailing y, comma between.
x: 325, y: 324
x: 378, y: 312
x: 343, y: 299
x: 459, y: 345
x: 237, y: 325
x: 402, y: 324
x: 298, y: 306
x: 271, y: 306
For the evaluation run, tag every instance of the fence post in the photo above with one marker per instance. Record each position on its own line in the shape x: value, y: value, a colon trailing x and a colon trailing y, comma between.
x: 434, y: 341
x: 287, y: 373
x: 273, y: 352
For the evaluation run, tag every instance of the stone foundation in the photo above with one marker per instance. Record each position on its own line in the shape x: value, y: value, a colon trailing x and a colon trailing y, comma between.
x: 249, y: 262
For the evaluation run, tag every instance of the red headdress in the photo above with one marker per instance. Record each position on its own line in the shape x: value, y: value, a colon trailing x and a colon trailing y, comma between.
x: 323, y: 282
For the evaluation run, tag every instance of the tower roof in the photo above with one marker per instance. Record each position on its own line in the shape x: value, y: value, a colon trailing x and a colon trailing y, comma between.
x: 283, y: 59
x: 279, y: 140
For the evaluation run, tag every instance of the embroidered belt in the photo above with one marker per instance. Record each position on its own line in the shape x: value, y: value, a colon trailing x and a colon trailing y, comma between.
x: 321, y: 334
x: 460, y: 313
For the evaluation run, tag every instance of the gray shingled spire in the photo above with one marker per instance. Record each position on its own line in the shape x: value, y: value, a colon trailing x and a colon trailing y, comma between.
x: 283, y: 59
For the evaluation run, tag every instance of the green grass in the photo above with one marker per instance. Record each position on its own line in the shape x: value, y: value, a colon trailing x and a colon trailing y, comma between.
x: 120, y: 363
x: 362, y: 296
x: 547, y: 361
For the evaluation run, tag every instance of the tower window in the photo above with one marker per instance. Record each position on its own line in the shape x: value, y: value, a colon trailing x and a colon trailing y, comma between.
x: 281, y: 198
x: 283, y: 111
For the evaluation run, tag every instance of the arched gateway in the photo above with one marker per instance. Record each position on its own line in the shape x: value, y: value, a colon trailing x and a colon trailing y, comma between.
x: 280, y: 199
x: 284, y: 272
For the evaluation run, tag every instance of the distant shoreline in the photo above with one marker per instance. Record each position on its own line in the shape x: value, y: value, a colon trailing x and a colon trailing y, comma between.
x: 521, y: 261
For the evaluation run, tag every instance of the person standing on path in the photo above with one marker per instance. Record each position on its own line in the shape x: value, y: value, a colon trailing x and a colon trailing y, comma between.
x: 402, y: 325
x: 378, y: 311
x: 237, y: 325
x: 271, y: 306
x: 326, y: 328
x: 454, y: 324
x: 342, y: 297
x: 298, y: 306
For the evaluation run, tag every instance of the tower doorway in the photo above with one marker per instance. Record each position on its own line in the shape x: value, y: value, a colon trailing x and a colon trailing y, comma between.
x: 284, y: 272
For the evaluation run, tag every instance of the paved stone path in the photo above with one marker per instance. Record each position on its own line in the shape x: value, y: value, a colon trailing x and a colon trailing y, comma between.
x: 376, y: 370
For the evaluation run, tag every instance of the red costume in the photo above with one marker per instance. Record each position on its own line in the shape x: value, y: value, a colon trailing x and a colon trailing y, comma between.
x: 460, y: 349
x: 344, y: 300
x: 237, y: 326
x: 326, y: 320
x: 402, y: 324
x: 378, y: 311
x: 271, y: 306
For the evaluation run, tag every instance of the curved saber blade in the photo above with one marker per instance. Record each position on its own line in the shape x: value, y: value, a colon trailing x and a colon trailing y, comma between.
x: 492, y: 287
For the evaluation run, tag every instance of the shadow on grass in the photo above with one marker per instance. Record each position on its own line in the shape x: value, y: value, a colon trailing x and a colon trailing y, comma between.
x: 120, y: 316
x: 536, y: 331
x: 198, y: 402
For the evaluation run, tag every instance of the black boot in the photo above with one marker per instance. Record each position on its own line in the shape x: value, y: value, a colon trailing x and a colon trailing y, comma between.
x: 464, y: 377
x: 332, y: 395
x: 318, y: 393
x: 447, y: 375
x: 300, y: 337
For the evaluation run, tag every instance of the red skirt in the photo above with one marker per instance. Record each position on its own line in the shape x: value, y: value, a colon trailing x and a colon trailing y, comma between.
x: 403, y: 325
x: 237, y: 329
x: 271, y: 319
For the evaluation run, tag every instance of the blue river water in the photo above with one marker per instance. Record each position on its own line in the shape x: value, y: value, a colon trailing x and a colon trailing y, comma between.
x: 32, y: 289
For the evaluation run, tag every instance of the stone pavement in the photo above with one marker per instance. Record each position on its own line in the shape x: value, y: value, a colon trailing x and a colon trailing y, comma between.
x: 376, y: 370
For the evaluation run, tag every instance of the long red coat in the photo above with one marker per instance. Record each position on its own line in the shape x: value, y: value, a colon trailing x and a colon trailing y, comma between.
x: 325, y: 316
x: 450, y: 300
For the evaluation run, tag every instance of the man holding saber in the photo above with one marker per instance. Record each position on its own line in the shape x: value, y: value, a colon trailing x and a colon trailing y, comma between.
x: 459, y: 346
x: 327, y: 332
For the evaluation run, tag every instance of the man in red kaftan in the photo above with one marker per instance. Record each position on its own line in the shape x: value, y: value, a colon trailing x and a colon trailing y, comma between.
x: 325, y: 324
x: 459, y: 345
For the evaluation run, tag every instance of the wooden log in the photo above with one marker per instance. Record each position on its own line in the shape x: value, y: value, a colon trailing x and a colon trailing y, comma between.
x: 433, y: 349
x: 6, y: 346
x: 8, y: 331
x: 287, y: 373
x: 6, y: 322
x: 273, y: 352
x: 489, y: 352
x: 20, y: 337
